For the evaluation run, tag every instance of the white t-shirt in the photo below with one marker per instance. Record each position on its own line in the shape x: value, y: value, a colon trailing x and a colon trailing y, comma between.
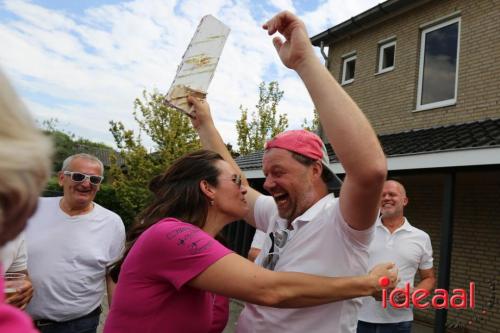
x: 320, y: 243
x: 68, y: 257
x: 13, y: 255
x: 410, y: 249
x: 258, y: 239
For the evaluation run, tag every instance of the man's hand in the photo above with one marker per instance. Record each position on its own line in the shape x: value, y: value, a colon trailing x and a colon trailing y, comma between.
x: 297, y: 48
x: 201, y: 115
x: 388, y: 270
x: 22, y: 297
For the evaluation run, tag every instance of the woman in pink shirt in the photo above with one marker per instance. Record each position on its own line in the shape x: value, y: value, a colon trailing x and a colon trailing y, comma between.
x: 174, y: 269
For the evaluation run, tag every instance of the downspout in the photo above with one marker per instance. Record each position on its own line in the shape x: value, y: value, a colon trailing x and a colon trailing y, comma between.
x: 321, y: 133
x: 323, y: 53
x: 327, y: 64
x: 446, y: 246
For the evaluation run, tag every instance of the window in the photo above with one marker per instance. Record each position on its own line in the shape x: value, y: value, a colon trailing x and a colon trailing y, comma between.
x: 386, y: 56
x: 348, y: 69
x: 437, y: 80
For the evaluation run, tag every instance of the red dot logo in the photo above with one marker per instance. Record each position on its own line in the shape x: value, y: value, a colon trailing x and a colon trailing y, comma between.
x: 384, y: 281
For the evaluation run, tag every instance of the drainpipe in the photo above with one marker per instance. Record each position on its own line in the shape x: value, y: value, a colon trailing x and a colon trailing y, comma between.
x: 445, y: 253
x: 323, y: 53
x: 321, y: 133
x: 327, y: 63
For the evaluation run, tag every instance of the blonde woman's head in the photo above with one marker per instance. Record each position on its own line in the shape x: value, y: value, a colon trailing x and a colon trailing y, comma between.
x: 25, y: 163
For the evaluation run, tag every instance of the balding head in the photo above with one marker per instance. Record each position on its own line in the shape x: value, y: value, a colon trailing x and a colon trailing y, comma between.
x: 398, y: 184
x: 393, y: 200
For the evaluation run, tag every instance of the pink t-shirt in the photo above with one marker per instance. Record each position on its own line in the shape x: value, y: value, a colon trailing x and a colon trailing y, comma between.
x: 220, y: 314
x: 152, y: 295
x: 13, y: 320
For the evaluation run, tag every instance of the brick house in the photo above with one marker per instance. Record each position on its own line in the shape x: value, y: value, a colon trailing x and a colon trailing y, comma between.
x: 427, y: 75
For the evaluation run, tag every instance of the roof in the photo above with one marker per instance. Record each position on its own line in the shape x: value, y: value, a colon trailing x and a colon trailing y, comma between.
x: 473, y: 135
x: 364, y: 20
x: 103, y: 154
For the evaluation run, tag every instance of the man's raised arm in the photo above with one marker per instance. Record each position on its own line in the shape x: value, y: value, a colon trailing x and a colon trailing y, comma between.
x: 347, y: 129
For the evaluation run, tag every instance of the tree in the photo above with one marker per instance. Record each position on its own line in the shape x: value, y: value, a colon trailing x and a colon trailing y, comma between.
x: 170, y: 130
x: 233, y: 153
x: 172, y: 135
x: 265, y: 122
x: 66, y: 143
x: 314, y: 126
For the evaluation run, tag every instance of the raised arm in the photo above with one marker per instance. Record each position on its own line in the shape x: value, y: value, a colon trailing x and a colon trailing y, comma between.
x: 348, y: 130
x: 251, y: 283
x: 210, y: 139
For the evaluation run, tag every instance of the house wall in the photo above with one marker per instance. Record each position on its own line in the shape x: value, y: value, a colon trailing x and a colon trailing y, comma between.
x: 389, y: 99
x: 476, y: 241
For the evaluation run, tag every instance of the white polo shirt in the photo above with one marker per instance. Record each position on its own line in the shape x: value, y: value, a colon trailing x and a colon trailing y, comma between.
x: 410, y: 248
x: 258, y: 239
x: 320, y: 243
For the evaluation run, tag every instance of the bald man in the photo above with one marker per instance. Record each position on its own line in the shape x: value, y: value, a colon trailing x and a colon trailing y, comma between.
x: 410, y: 248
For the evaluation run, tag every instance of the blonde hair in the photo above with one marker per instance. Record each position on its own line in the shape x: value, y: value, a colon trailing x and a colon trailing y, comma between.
x: 25, y: 163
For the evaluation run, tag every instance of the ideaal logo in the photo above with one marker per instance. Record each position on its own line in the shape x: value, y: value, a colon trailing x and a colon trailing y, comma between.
x: 440, y: 300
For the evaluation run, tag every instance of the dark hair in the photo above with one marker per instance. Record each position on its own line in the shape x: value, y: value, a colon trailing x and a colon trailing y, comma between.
x: 326, y: 175
x: 176, y: 193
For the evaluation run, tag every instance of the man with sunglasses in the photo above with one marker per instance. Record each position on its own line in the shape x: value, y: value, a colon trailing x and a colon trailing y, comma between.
x: 308, y: 229
x: 71, y: 243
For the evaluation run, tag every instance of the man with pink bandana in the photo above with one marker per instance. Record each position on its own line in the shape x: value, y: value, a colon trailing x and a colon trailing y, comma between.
x: 308, y: 229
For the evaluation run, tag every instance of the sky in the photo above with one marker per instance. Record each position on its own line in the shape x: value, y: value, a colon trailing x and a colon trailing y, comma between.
x: 83, y: 62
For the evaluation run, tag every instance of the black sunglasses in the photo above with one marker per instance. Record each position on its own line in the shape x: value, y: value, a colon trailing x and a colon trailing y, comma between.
x: 279, y: 237
x: 235, y: 179
x: 79, y: 177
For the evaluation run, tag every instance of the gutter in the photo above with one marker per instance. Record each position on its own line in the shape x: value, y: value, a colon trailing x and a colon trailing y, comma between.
x: 364, y: 20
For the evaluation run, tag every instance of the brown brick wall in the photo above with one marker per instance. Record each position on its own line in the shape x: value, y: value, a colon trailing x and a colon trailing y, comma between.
x: 425, y: 195
x: 476, y: 241
x: 388, y: 99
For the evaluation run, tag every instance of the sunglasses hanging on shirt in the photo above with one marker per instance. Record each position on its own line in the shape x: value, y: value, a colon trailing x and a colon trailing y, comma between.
x: 278, y: 238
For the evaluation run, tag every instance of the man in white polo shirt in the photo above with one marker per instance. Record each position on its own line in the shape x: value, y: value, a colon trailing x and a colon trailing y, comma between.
x: 410, y: 248
x: 307, y: 229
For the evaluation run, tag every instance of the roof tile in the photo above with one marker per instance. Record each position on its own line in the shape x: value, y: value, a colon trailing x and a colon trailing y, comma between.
x: 484, y: 133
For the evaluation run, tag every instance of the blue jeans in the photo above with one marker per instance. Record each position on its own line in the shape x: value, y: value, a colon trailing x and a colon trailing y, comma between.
x: 402, y: 327
x: 87, y: 324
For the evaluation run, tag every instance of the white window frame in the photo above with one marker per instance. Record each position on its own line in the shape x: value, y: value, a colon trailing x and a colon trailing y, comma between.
x: 382, y: 47
x: 448, y: 102
x: 344, y: 62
